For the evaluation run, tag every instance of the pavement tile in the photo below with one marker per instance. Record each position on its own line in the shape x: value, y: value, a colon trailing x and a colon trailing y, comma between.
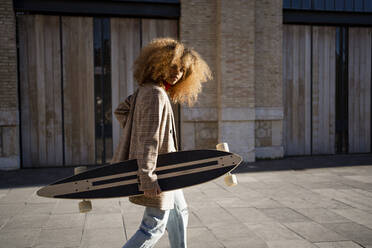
x: 26, y: 221
x: 263, y: 202
x: 209, y: 185
x: 297, y: 202
x: 11, y: 209
x: 244, y: 192
x: 246, y: 178
x: 244, y: 243
x: 347, y: 198
x: 106, y: 206
x: 231, y: 202
x: 357, y: 197
x: 18, y: 195
x: 215, y: 215
x: 352, y: 231
x: 249, y: 215
x: 256, y: 186
x: 212, y: 194
x: 128, y: 207
x: 56, y: 245
x: 194, y: 221
x: 132, y: 219
x: 290, y: 244
x: 23, y: 237
x: 325, y: 185
x: 272, y: 231
x: 199, y: 202
x: 293, y: 202
x: 65, y: 221
x: 362, y: 192
x: 64, y: 237
x: 3, y: 221
x: 314, y: 232
x: 364, y: 179
x: 202, y: 236
x: 38, y: 208
x: 66, y: 207
x: 103, y: 237
x: 235, y: 231
x: 3, y: 192
x: 339, y: 244
x: 284, y: 215
x: 110, y: 220
x: 356, y: 215
x: 357, y: 184
x: 322, y: 215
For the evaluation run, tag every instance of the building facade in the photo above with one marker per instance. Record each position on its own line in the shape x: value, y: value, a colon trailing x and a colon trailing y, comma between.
x: 290, y: 77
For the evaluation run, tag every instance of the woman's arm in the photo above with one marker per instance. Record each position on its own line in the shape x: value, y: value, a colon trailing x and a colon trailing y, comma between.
x: 148, y: 122
x: 122, y: 111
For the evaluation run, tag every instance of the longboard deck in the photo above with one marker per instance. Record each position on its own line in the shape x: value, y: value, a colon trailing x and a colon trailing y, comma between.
x: 174, y: 170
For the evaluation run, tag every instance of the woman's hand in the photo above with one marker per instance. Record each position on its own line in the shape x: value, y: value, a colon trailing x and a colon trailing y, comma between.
x: 153, y: 192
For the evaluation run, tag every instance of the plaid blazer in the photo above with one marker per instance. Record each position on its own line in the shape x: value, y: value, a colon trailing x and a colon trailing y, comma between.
x: 148, y: 130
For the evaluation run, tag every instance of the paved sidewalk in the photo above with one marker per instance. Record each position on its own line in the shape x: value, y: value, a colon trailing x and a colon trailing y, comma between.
x: 300, y: 202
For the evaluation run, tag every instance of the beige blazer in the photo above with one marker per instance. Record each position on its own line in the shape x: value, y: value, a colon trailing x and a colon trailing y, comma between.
x: 148, y: 130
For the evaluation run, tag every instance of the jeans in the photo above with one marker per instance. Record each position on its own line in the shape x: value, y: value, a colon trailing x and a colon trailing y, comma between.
x: 156, y: 221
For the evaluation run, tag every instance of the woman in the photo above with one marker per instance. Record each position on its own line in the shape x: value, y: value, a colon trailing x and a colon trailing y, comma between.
x: 165, y: 69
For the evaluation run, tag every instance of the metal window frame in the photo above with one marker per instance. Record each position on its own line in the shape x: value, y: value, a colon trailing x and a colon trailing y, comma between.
x: 124, y: 8
x: 312, y: 17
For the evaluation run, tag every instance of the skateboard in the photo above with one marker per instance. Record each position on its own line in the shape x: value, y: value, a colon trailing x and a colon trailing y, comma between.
x: 174, y: 170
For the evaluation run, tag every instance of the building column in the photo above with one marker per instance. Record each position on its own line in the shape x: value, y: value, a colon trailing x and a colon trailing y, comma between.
x: 268, y: 79
x: 236, y: 75
x: 242, y: 43
x: 9, y: 121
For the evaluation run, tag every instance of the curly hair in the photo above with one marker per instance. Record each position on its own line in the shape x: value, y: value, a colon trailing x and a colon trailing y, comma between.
x: 154, y: 63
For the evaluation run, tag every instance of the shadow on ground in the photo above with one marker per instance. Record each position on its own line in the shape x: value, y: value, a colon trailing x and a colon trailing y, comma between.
x: 44, y: 176
x: 306, y: 162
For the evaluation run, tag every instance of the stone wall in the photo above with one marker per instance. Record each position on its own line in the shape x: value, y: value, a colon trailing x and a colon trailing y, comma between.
x: 242, y: 42
x: 199, y: 125
x: 268, y: 79
x: 9, y: 124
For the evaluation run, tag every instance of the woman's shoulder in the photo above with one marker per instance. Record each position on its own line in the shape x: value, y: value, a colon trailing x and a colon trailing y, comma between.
x: 152, y: 90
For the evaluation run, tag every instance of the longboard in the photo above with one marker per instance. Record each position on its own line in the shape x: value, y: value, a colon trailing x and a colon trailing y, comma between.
x: 174, y: 170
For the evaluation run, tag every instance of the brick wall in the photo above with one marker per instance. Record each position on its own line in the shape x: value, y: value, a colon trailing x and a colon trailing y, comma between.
x: 198, y: 30
x: 242, y: 42
x: 9, y: 141
x: 268, y: 79
x: 8, y: 57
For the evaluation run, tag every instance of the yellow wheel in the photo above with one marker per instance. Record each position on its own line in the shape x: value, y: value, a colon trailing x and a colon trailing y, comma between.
x: 222, y: 147
x: 85, y: 206
x: 80, y: 169
x: 231, y: 180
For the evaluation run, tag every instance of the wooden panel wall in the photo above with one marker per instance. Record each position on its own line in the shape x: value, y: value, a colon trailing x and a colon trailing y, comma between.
x: 324, y: 90
x: 78, y: 86
x: 125, y: 47
x: 40, y: 87
x: 126, y: 42
x: 359, y: 90
x: 153, y: 28
x: 297, y: 89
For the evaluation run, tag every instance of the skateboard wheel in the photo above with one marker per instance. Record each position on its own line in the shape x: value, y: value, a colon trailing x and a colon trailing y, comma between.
x: 85, y: 206
x: 231, y: 180
x: 222, y: 147
x: 80, y: 169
